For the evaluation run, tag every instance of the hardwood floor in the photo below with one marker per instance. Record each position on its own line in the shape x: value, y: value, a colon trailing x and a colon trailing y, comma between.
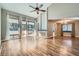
x: 33, y: 46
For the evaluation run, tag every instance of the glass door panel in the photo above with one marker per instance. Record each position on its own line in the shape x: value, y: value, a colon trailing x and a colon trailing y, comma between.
x: 30, y: 28
x: 13, y: 27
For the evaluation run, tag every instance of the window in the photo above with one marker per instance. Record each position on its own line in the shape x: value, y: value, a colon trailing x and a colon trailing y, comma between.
x: 14, y: 26
x: 67, y: 27
x: 23, y: 26
x: 30, y: 26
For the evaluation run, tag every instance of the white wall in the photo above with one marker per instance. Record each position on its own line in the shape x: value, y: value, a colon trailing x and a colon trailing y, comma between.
x: 3, y: 24
x: 43, y: 21
x: 61, y: 10
x: 0, y: 25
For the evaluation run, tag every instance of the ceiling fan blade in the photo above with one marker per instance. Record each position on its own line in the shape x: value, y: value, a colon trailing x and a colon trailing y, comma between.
x: 43, y: 10
x: 41, y: 6
x: 33, y: 11
x: 31, y: 7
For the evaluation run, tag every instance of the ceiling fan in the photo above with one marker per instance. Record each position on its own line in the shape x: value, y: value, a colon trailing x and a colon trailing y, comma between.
x: 37, y: 8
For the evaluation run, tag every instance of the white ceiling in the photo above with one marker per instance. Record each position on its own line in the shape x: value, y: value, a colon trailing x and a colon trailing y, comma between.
x: 23, y: 8
x: 63, y: 10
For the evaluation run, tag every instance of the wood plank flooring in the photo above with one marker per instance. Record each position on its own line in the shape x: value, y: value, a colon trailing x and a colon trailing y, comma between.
x: 64, y: 46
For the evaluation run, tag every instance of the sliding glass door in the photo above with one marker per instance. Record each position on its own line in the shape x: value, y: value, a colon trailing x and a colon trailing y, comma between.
x: 19, y: 27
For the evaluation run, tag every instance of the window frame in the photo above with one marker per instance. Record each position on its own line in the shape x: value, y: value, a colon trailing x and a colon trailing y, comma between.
x: 67, y: 30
